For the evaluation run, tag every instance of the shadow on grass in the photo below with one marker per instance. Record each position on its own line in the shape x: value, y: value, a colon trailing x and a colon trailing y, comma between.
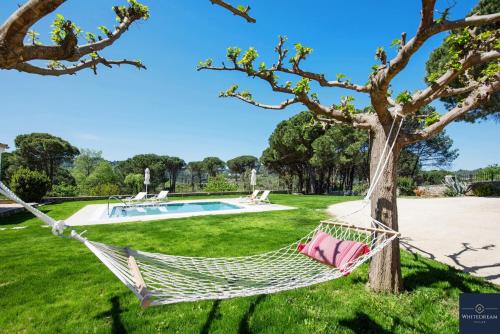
x: 424, y: 273
x: 244, y: 326
x: 405, y: 242
x: 362, y: 323
x: 117, y: 326
x: 15, y: 219
x: 245, y: 321
x: 23, y: 216
x: 212, y: 315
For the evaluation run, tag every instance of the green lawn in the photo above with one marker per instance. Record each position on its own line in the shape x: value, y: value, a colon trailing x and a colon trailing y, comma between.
x: 55, y: 285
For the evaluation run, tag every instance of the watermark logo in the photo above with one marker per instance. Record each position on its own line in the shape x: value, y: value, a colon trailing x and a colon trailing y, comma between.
x: 480, y: 313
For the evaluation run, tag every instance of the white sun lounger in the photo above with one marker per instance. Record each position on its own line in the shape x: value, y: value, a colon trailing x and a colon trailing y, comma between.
x: 140, y: 197
x: 161, y: 197
x: 263, y: 199
x: 251, y: 197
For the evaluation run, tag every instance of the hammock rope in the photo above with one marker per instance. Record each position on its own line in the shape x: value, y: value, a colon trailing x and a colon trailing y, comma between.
x: 158, y: 279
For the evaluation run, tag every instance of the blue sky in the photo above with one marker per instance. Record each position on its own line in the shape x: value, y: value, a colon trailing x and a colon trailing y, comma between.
x: 173, y: 109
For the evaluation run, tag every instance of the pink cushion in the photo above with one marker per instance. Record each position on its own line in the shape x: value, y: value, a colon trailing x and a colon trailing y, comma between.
x: 328, y: 250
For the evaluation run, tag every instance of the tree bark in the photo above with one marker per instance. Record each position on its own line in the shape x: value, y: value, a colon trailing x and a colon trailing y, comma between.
x: 385, y: 268
x: 301, y: 181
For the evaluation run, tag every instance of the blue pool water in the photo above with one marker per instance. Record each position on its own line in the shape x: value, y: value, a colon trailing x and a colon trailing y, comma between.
x: 170, y: 208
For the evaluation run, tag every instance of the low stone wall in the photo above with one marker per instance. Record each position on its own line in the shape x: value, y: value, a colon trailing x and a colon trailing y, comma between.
x: 9, y: 209
x: 436, y: 190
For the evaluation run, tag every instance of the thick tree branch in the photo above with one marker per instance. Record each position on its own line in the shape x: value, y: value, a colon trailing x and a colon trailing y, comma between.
x: 234, y: 10
x: 334, y: 113
x: 15, y: 55
x: 73, y: 69
x: 428, y: 27
x: 439, y: 89
x: 57, y: 52
x: 478, y: 96
x: 470, y: 21
x: 447, y: 92
x: 14, y: 29
x: 425, y: 31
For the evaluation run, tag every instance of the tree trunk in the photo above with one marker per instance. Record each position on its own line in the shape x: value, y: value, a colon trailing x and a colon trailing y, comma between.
x: 173, y: 182
x: 385, y: 268
x: 301, y: 181
x: 415, y: 166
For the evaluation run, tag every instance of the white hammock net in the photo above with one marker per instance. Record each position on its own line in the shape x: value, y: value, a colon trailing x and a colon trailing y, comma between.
x: 168, y: 279
x: 165, y: 279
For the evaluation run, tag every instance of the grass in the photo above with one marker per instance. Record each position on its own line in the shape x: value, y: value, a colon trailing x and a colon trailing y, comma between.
x: 55, y: 285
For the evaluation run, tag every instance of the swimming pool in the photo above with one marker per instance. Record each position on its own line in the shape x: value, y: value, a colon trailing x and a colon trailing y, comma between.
x: 170, y: 208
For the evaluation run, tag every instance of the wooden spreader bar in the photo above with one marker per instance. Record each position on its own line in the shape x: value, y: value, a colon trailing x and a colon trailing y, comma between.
x: 138, y: 280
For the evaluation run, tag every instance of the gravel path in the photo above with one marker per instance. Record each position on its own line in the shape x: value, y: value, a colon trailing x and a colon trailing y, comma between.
x: 463, y: 232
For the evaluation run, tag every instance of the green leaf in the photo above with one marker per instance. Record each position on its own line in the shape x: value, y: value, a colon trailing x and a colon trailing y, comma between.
x: 247, y: 60
x: 404, y: 97
x: 233, y: 53
x: 302, y: 87
x: 396, y: 42
x: 432, y: 118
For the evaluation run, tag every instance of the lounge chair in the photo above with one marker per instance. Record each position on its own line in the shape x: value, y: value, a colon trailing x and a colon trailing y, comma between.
x: 161, y: 197
x: 250, y: 198
x: 140, y: 197
x: 263, y: 199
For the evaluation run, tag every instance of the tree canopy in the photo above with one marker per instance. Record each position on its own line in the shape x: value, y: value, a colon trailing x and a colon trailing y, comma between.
x: 85, y: 163
x: 213, y: 165
x: 322, y: 159
x: 44, y: 152
x: 242, y: 163
x: 138, y: 164
x: 196, y: 169
x: 173, y: 166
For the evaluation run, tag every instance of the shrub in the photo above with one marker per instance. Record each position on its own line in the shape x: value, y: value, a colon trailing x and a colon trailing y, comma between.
x: 105, y: 189
x: 434, y: 176
x: 455, y: 186
x: 29, y: 185
x: 99, y: 181
x: 219, y: 183
x: 183, y: 188
x: 63, y: 190
x: 485, y: 189
x: 134, y: 182
x: 360, y: 188
x: 450, y: 193
x: 406, y: 186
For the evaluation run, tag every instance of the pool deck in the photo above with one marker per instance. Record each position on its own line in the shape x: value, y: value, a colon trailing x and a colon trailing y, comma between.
x: 95, y: 214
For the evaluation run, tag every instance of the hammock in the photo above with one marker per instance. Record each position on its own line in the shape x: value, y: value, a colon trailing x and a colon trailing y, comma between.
x: 158, y: 279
